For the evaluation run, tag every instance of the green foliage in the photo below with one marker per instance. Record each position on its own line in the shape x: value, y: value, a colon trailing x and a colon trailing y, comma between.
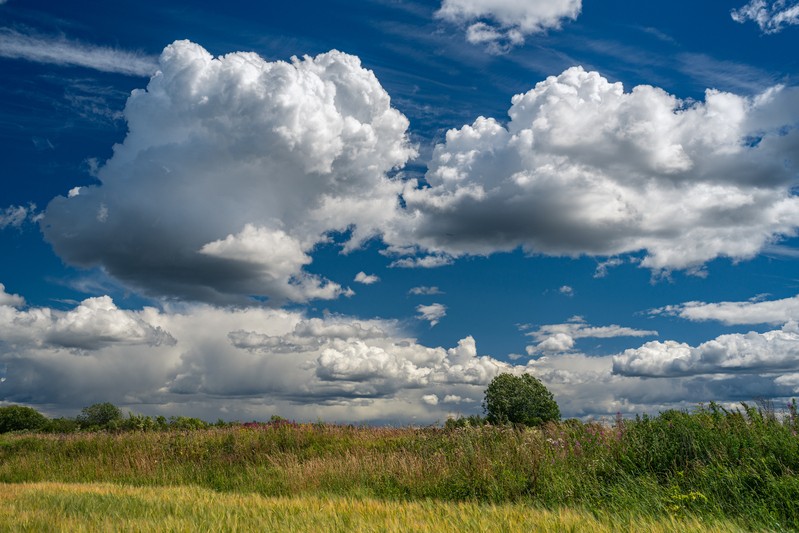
x: 519, y: 400
x: 710, y: 464
x: 100, y: 415
x: 18, y: 418
x: 61, y: 425
x: 187, y: 422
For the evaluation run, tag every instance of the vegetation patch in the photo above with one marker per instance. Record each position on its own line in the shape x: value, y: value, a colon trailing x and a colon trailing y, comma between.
x: 108, y: 507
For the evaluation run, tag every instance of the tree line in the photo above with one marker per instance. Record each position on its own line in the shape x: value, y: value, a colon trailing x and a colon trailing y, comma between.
x: 516, y: 400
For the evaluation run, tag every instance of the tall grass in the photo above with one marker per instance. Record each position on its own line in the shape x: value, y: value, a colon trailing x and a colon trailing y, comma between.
x: 712, y: 463
x: 105, y: 507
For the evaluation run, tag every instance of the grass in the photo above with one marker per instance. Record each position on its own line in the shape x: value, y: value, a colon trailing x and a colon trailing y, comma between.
x: 709, y: 466
x: 108, y: 507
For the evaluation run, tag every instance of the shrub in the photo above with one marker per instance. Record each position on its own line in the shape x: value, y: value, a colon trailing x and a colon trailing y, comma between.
x: 100, y: 415
x: 187, y: 422
x: 61, y: 425
x: 17, y: 418
x: 519, y: 400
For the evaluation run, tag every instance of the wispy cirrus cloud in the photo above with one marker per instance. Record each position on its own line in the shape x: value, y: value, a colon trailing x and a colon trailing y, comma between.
x: 59, y: 50
x: 423, y: 290
x: 770, y: 16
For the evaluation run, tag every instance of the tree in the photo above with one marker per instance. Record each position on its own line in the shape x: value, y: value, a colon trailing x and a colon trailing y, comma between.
x: 17, y: 417
x: 102, y: 415
x: 519, y: 400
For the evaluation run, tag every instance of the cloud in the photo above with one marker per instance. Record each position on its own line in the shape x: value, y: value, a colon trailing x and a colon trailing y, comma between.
x: 232, y: 170
x: 770, y: 15
x: 423, y: 291
x: 199, y: 360
x: 92, y: 325
x: 61, y: 51
x: 430, y: 399
x: 251, y: 363
x: 10, y: 300
x: 279, y: 259
x: 587, y: 386
x: 736, y: 313
x: 428, y: 261
x: 502, y: 24
x: 566, y: 290
x: 560, y: 338
x: 366, y: 279
x: 751, y: 353
x: 433, y: 313
x: 603, y: 266
x: 16, y: 215
x: 585, y: 168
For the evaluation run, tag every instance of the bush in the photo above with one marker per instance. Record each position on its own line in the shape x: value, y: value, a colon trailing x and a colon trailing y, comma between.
x: 187, y: 422
x: 519, y: 400
x: 100, y: 415
x: 61, y: 425
x: 17, y: 418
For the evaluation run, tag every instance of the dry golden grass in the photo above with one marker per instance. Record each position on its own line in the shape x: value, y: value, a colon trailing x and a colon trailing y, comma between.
x: 108, y: 507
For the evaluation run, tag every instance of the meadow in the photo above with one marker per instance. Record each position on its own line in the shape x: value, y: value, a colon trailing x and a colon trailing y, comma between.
x: 710, y: 469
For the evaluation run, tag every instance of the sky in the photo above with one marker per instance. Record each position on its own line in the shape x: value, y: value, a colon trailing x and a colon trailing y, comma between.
x: 365, y: 211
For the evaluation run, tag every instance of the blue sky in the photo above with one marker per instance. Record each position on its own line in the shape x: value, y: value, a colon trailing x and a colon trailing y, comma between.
x: 365, y: 211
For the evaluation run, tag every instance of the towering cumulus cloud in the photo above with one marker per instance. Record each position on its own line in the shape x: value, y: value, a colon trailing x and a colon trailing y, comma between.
x: 584, y: 167
x: 232, y: 170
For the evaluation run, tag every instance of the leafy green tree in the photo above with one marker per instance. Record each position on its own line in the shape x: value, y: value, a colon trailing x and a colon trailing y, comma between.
x: 18, y: 417
x: 100, y: 415
x: 519, y: 400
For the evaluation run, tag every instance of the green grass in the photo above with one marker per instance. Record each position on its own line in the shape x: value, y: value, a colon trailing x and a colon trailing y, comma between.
x: 107, y: 507
x: 710, y: 465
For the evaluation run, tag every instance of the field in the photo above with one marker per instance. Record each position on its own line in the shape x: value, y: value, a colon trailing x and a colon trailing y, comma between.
x: 107, y: 507
x: 708, y: 470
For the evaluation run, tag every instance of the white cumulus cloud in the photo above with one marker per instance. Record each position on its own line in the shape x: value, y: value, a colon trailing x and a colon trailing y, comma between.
x: 770, y: 15
x: 560, y: 338
x: 433, y: 313
x: 251, y: 363
x: 585, y: 168
x: 772, y: 351
x: 92, y: 325
x: 736, y: 313
x: 11, y: 300
x: 246, y: 363
x: 501, y: 24
x: 232, y: 170
x: 366, y: 279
